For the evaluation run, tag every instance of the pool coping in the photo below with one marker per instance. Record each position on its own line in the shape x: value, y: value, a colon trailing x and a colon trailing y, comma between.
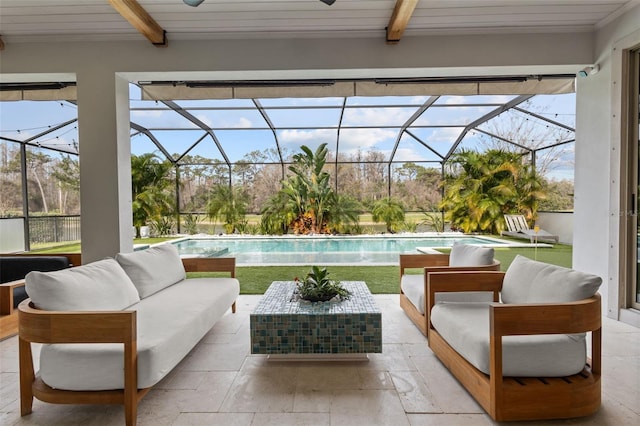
x: 408, y: 235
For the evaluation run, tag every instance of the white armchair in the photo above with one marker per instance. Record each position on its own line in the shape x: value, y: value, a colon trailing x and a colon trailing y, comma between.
x: 413, y: 287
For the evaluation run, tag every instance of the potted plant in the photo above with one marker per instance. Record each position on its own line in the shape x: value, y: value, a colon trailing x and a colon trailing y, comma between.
x: 317, y: 287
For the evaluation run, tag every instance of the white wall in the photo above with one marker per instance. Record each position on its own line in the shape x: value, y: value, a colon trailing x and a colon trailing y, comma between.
x: 557, y: 223
x: 12, y: 235
x: 597, y: 199
x: 352, y: 57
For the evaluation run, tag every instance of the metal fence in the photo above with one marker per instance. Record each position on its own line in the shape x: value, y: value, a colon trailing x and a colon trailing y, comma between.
x: 54, y: 229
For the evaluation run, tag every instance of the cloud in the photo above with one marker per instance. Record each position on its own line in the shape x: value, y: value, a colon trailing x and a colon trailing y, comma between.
x: 444, y: 134
x: 377, y: 116
x: 418, y: 99
x: 169, y: 119
x: 351, y: 140
x: 304, y: 136
x: 411, y: 154
x: 243, y: 123
x: 148, y: 113
x: 293, y: 139
x: 452, y: 100
x: 365, y: 139
x: 231, y: 122
x: 204, y: 119
x: 161, y: 118
x: 452, y: 115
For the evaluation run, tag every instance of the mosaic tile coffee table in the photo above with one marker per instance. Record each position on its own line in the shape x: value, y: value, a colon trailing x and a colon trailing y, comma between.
x: 288, y: 329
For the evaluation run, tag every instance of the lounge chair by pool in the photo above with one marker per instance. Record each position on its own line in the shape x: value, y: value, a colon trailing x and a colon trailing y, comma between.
x: 518, y: 227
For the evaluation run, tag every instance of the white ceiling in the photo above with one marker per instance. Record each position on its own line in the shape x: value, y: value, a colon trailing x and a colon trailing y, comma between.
x: 66, y: 20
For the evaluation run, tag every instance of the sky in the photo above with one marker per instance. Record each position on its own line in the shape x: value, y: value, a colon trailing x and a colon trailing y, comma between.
x: 240, y: 128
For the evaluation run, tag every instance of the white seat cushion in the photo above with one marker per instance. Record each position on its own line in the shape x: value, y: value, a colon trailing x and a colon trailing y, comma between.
x: 96, y: 286
x: 170, y: 323
x: 153, y: 269
x: 465, y: 326
x: 412, y: 286
x: 468, y: 255
x: 528, y: 281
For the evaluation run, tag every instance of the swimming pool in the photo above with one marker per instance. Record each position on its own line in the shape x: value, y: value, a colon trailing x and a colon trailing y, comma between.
x: 329, y: 250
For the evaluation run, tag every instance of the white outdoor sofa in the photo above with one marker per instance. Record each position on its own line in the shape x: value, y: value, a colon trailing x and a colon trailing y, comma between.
x: 114, y: 328
x: 525, y: 358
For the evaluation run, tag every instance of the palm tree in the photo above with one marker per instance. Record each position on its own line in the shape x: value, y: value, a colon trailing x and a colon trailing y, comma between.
x: 149, y: 186
x: 309, y: 190
x: 228, y: 204
x: 433, y: 220
x: 389, y: 211
x: 277, y: 214
x: 344, y: 212
x: 482, y: 187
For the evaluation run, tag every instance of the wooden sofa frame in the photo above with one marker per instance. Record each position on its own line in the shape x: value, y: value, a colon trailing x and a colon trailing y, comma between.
x: 523, y: 398
x: 37, y: 326
x: 9, y: 315
x: 430, y: 263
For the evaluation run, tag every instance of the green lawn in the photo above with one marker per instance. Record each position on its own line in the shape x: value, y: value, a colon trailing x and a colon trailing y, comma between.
x: 380, y: 279
x: 256, y: 279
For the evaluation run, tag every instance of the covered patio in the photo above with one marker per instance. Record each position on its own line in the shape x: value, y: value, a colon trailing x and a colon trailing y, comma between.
x: 91, y: 44
x: 552, y: 39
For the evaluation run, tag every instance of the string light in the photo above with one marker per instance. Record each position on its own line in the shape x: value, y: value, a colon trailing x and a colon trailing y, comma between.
x: 57, y: 136
x: 24, y: 130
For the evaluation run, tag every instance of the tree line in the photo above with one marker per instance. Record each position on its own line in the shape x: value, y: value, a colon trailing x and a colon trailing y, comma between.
x: 359, y: 179
x: 475, y: 192
x: 53, y: 182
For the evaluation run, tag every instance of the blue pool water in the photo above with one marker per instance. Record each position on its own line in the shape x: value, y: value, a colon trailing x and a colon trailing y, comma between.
x: 380, y: 250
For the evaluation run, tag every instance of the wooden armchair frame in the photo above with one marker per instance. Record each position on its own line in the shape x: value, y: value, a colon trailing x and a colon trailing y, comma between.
x: 523, y: 398
x: 430, y: 263
x: 37, y: 326
x: 9, y: 315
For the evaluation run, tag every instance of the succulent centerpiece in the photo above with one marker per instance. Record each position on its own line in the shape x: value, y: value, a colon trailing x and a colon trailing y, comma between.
x: 318, y: 287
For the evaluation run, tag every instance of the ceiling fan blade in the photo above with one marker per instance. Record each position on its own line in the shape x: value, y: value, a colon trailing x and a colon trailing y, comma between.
x: 193, y: 3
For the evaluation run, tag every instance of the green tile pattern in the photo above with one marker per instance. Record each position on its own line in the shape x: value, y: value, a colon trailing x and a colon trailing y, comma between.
x: 283, y: 324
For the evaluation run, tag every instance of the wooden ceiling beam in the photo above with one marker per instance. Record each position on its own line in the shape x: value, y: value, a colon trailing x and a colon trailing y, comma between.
x: 400, y: 19
x: 140, y: 19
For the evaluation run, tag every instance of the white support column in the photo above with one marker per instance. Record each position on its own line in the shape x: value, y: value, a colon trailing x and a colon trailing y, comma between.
x: 105, y: 164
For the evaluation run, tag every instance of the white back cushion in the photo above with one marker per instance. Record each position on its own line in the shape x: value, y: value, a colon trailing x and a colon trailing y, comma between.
x: 97, y: 286
x: 468, y: 255
x: 153, y: 269
x: 528, y: 281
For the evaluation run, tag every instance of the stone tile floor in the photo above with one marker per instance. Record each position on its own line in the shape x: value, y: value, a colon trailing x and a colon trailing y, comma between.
x: 221, y: 383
